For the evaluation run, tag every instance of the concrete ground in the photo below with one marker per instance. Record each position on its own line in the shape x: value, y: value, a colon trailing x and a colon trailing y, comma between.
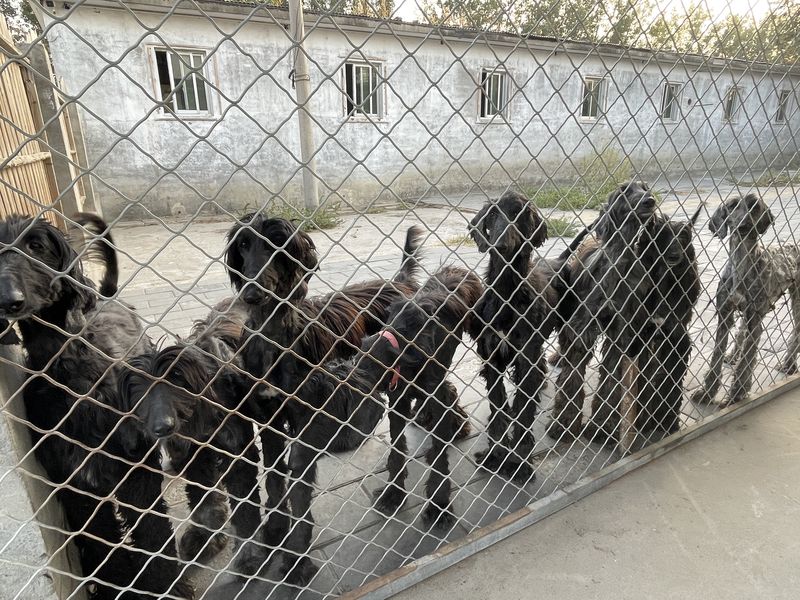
x: 716, y: 518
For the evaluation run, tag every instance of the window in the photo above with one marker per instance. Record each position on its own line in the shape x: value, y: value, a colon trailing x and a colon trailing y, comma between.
x: 593, y: 92
x: 730, y: 106
x: 181, y: 81
x: 670, y: 101
x: 362, y: 89
x: 783, y: 106
x: 494, y: 93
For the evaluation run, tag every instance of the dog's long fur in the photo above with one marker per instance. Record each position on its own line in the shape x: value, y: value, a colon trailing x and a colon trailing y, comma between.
x: 666, y: 251
x: 517, y: 313
x: 428, y: 329
x: 752, y: 281
x: 607, y: 293
x: 292, y: 336
x: 190, y: 397
x: 88, y: 449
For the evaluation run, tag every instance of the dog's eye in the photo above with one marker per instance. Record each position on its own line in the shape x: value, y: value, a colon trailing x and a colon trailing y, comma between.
x: 35, y: 246
x: 244, y: 243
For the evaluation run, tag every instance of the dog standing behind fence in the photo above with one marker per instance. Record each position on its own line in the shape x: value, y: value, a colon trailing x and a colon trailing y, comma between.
x: 753, y: 280
x: 515, y: 316
x: 105, y: 472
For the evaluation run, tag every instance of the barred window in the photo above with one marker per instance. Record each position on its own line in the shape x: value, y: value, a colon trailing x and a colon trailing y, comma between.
x: 730, y: 105
x: 670, y: 101
x: 593, y: 97
x: 494, y: 93
x: 363, y: 90
x: 182, y: 81
x: 783, y: 106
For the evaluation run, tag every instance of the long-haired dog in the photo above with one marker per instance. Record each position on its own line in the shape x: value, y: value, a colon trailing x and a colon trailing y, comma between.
x: 416, y: 351
x: 106, y: 474
x: 668, y: 255
x: 290, y: 336
x: 753, y: 280
x: 515, y: 316
x: 190, y: 397
x: 607, y: 293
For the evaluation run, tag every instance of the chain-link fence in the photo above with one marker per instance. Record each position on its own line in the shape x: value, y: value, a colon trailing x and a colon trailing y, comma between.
x: 373, y: 281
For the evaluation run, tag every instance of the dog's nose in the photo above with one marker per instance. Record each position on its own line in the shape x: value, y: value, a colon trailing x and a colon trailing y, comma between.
x: 11, y: 301
x: 164, y: 427
x: 252, y: 294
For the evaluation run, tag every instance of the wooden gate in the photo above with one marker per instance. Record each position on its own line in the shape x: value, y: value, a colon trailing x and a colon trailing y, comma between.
x: 27, y: 181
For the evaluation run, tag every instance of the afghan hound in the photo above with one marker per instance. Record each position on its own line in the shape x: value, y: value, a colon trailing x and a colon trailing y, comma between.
x: 104, y: 470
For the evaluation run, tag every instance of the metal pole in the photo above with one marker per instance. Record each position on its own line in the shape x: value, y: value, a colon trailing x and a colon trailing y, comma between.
x: 302, y: 82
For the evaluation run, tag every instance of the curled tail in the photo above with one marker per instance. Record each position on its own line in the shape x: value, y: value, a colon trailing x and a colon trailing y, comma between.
x: 100, y: 248
x: 410, y: 267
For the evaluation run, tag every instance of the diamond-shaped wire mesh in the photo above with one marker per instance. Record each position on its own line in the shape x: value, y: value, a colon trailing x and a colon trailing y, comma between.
x: 372, y: 276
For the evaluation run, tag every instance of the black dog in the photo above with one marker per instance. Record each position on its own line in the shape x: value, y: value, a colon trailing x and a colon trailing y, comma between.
x: 416, y: 352
x: 190, y: 397
x: 667, y: 253
x: 290, y: 338
x: 518, y: 312
x: 607, y: 294
x: 90, y: 451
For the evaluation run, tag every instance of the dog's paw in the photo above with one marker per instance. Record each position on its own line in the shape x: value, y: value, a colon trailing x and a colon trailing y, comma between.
x: 434, y: 516
x: 182, y: 589
x: 249, y: 558
x: 789, y: 367
x: 598, y: 435
x: 298, y: 570
x: 734, y: 398
x: 199, y: 544
x: 491, y: 458
x: 564, y: 429
x: 389, y: 499
x: 701, y: 397
x: 517, y: 470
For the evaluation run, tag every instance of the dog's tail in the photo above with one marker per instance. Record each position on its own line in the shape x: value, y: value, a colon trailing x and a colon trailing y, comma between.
x: 101, y: 249
x: 410, y: 267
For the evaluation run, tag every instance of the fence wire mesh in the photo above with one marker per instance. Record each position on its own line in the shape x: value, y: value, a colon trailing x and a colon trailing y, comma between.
x: 370, y: 276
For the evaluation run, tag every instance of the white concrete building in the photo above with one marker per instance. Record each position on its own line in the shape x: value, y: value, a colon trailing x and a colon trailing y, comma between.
x: 399, y: 109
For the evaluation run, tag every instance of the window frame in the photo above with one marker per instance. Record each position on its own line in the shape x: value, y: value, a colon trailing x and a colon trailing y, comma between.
x: 601, y: 98
x: 676, y: 101
x: 732, y: 118
x: 379, y: 91
x: 484, y: 99
x: 207, y: 72
x: 782, y: 108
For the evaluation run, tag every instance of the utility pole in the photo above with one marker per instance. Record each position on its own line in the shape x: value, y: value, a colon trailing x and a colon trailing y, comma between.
x: 302, y: 84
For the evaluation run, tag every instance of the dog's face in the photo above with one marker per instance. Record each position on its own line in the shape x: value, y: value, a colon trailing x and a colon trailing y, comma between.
x: 748, y: 216
x: 269, y: 255
x: 507, y: 225
x: 170, y: 390
x: 37, y: 265
x: 668, y: 241
x: 628, y: 207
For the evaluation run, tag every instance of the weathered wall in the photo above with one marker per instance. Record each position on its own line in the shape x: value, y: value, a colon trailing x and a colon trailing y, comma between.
x: 430, y: 136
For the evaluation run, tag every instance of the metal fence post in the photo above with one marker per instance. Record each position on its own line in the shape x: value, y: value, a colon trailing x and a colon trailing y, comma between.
x: 302, y: 82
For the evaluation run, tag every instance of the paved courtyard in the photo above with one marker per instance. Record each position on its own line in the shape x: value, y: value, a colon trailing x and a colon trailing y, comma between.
x: 172, y: 273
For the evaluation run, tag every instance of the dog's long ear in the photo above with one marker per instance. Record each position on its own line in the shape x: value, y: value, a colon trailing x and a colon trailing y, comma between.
x: 477, y: 229
x: 763, y: 217
x: 718, y: 223
x: 82, y: 294
x: 538, y: 225
x: 233, y: 258
x: 301, y: 247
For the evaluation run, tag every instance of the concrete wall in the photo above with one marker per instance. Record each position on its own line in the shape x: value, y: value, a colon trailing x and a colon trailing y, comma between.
x: 144, y: 162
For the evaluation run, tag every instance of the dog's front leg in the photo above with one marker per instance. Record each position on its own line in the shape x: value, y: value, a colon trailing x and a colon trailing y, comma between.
x: 712, y: 380
x: 389, y: 499
x: 437, y: 487
x: 495, y: 355
x: 743, y: 374
x: 298, y: 567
